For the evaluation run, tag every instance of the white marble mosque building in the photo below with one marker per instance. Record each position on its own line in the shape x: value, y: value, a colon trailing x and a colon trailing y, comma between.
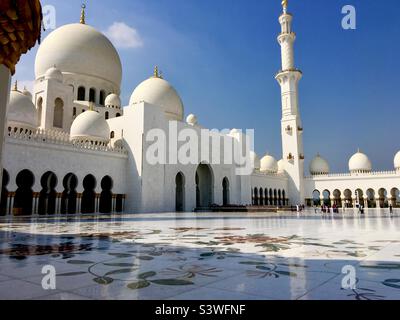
x: 71, y: 147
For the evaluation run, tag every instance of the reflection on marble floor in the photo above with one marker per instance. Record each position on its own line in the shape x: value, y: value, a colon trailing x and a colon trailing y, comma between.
x: 203, y: 256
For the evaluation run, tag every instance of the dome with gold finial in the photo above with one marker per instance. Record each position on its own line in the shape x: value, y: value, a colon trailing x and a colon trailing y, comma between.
x: 360, y: 163
x: 319, y: 166
x: 21, y: 111
x: 161, y: 93
x: 269, y: 164
x: 79, y: 49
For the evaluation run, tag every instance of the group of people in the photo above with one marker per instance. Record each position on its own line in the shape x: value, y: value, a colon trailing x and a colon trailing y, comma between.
x: 328, y: 209
x: 298, y: 208
x: 335, y: 209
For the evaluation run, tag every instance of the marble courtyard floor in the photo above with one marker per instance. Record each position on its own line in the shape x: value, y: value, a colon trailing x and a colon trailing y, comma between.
x: 203, y: 256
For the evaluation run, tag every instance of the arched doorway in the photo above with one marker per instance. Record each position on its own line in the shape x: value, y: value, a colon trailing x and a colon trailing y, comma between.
x: 225, y: 191
x: 261, y: 199
x: 102, y: 97
x: 204, y: 183
x: 279, y: 198
x: 271, y: 197
x: 337, y: 198
x: 395, y: 197
x: 180, y: 192
x: 266, y: 199
x: 89, y: 195
x: 92, y: 95
x: 359, y: 194
x: 256, y: 197
x: 4, y: 193
x: 348, y: 198
x: 327, y: 198
x: 371, y: 198
x: 48, y: 195
x: 68, y: 201
x: 106, y: 195
x: 39, y: 111
x: 284, y: 197
x: 58, y: 113
x: 275, y: 197
x: 24, y: 194
x: 383, y: 200
x: 81, y: 94
x: 316, y: 198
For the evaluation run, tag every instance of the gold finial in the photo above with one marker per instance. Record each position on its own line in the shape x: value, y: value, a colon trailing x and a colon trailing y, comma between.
x: 91, y: 106
x: 83, y: 15
x: 156, y: 72
x: 285, y: 5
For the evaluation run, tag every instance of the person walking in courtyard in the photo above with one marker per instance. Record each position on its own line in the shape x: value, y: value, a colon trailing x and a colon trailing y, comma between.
x: 391, y: 209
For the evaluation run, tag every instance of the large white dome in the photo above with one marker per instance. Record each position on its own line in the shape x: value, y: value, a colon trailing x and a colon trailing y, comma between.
x: 360, y: 163
x: 79, y: 49
x: 397, y: 161
x: 319, y: 166
x: 269, y: 164
x: 21, y: 110
x: 90, y: 126
x: 159, y: 92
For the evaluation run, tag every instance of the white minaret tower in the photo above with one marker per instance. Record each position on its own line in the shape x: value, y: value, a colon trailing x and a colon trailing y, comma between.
x: 292, y: 142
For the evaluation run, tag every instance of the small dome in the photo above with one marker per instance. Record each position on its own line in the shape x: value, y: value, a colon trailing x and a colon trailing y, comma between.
x: 21, y: 110
x: 281, y: 166
x: 192, y: 120
x: 90, y: 126
x: 54, y: 74
x: 113, y: 100
x: 397, y: 161
x: 160, y: 93
x: 269, y: 164
x: 359, y: 163
x: 255, y: 160
x: 319, y: 166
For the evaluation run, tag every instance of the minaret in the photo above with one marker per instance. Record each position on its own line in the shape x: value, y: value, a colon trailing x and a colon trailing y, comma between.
x: 292, y: 142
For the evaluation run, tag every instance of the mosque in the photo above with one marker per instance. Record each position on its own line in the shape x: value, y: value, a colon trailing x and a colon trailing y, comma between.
x: 71, y: 147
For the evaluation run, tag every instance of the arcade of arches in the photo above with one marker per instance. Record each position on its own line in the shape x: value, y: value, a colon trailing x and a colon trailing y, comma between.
x: 370, y: 198
x: 25, y: 202
x: 269, y: 197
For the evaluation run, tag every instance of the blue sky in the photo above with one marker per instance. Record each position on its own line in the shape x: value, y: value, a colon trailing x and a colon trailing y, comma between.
x: 222, y: 55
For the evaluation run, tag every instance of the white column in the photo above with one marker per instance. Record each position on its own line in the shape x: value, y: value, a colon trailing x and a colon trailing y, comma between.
x: 33, y: 204
x: 5, y: 79
x: 36, y: 204
x: 10, y: 213
x: 343, y: 202
x: 97, y: 205
x: 113, y: 202
x: 58, y: 204
x: 78, y: 203
x: 7, y: 213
